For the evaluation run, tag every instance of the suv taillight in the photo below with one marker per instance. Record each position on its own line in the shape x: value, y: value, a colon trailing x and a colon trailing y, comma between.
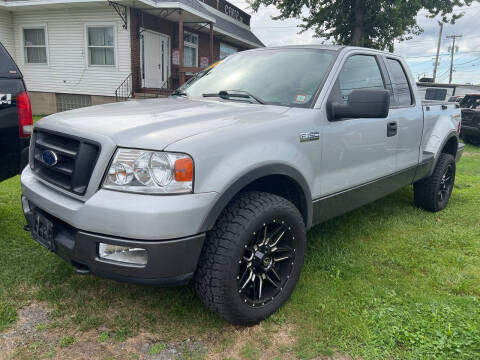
x: 25, y: 118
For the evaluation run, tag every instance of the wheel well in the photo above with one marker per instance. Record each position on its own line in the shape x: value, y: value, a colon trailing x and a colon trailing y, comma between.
x: 451, y: 146
x: 283, y: 186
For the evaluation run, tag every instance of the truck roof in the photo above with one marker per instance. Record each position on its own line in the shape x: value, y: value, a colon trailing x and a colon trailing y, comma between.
x: 336, y: 48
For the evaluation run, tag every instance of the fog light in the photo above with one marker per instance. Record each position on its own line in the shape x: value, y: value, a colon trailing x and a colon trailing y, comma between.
x: 123, y: 254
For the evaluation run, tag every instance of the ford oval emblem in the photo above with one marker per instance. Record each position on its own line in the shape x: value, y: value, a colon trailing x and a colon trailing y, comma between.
x: 49, y: 157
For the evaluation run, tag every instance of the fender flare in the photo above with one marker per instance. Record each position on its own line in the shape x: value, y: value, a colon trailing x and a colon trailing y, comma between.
x: 253, y: 175
x: 450, y: 135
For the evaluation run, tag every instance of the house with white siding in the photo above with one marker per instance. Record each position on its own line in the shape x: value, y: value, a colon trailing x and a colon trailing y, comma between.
x: 76, y: 53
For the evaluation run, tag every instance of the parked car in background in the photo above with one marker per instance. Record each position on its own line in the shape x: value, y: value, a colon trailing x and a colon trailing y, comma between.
x: 470, y: 105
x: 16, y: 122
x: 221, y: 183
x: 456, y: 98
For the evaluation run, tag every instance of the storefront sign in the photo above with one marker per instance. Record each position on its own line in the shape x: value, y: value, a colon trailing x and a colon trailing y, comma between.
x: 229, y: 10
x: 204, y: 62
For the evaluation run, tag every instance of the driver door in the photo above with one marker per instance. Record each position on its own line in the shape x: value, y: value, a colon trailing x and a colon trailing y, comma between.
x: 356, y: 151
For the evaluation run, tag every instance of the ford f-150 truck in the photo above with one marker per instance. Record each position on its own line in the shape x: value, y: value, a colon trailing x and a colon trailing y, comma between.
x: 222, y: 183
x: 15, y: 118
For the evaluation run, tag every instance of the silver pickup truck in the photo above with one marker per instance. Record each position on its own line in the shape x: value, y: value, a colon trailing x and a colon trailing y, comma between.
x: 221, y: 182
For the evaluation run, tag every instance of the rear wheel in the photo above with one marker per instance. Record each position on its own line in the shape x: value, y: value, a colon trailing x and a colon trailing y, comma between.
x: 252, y: 258
x: 433, y: 193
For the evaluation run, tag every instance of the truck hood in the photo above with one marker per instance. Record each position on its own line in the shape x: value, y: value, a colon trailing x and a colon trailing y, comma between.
x: 156, y: 123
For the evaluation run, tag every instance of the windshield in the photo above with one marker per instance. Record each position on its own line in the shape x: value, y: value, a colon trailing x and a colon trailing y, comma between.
x: 470, y: 102
x: 287, y: 77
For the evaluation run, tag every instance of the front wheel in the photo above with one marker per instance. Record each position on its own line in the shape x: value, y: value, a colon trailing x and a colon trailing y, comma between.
x: 252, y: 259
x: 433, y: 193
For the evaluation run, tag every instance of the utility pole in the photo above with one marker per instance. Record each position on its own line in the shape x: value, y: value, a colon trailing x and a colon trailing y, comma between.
x: 454, y: 37
x: 438, y: 51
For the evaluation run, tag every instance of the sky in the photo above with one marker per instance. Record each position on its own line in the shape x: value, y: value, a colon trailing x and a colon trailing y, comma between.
x: 419, y: 52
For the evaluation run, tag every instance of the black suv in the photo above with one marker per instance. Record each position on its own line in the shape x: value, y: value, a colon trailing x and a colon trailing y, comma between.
x: 16, y: 122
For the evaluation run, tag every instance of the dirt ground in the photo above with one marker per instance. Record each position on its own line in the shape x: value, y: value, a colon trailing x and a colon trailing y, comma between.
x: 35, y: 336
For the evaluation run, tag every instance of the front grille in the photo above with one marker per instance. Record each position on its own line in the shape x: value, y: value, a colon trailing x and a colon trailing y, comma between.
x: 76, y: 160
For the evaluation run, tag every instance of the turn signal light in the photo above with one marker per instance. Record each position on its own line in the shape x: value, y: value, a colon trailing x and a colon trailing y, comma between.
x: 184, y: 169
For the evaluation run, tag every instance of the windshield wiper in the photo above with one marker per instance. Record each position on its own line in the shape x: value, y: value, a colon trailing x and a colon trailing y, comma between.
x: 179, y: 93
x: 231, y: 94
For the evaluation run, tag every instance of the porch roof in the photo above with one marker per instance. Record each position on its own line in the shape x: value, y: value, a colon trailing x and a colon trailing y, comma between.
x: 234, y: 31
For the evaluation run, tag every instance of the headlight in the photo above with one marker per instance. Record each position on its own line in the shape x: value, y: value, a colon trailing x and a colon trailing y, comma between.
x: 151, y: 172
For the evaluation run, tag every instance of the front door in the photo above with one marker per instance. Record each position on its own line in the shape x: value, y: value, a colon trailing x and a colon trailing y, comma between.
x: 356, y: 151
x: 155, y: 60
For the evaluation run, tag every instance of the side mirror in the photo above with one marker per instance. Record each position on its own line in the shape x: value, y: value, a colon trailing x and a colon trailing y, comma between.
x: 365, y: 103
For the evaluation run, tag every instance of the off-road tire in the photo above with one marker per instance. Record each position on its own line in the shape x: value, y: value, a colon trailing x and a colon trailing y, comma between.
x: 216, y: 281
x: 426, y: 191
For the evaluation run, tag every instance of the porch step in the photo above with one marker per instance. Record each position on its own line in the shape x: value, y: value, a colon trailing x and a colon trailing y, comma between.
x: 146, y: 95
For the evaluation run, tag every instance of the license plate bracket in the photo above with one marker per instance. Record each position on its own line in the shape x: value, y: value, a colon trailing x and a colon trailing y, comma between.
x: 42, y: 231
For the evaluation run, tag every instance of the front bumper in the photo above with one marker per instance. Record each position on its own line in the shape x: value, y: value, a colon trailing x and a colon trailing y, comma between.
x: 124, y: 215
x: 170, y: 262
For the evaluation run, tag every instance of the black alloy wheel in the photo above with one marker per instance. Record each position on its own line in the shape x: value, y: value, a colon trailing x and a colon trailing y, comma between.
x: 267, y: 263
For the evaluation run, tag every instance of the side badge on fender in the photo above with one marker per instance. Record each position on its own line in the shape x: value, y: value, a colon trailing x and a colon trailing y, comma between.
x: 309, y: 136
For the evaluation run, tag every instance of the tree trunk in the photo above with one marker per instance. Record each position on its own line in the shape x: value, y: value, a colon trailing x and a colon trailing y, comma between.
x: 358, y: 13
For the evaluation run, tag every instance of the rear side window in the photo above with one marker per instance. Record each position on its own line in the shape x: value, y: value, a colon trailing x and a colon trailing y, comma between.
x: 360, y: 72
x: 7, y: 66
x: 401, y: 87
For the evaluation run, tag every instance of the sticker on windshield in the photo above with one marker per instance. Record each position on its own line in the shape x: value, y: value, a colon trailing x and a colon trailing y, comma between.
x: 300, y: 99
x: 5, y: 99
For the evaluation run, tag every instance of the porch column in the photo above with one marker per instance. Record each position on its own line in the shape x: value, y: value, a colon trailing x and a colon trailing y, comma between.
x: 180, y: 48
x: 211, y: 44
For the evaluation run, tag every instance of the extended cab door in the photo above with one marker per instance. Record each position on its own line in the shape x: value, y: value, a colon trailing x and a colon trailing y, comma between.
x: 355, y: 151
x: 406, y: 114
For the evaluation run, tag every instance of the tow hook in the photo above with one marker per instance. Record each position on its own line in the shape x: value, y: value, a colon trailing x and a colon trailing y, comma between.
x: 80, y: 269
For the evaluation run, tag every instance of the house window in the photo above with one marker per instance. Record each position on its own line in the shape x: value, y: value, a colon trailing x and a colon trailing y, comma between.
x: 101, y: 45
x: 190, y: 52
x: 226, y: 50
x: 35, y: 45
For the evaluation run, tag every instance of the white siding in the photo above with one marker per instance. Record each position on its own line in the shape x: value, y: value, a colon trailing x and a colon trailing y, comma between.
x: 6, y: 31
x: 67, y: 70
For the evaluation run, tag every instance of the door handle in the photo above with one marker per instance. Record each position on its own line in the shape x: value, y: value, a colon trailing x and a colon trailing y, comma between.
x: 392, y: 129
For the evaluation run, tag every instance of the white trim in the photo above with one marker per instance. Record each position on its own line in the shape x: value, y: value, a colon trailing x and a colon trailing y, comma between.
x: 34, y: 26
x: 115, y: 44
x: 252, y: 44
x: 175, y: 5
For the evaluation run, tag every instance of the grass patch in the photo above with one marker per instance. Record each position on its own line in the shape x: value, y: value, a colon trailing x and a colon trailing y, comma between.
x: 67, y: 341
x: 385, y: 281
x: 157, y: 349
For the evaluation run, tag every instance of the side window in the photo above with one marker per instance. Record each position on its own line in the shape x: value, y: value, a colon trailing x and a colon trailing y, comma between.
x: 35, y: 45
x: 359, y: 72
x: 400, y: 84
x: 101, y: 45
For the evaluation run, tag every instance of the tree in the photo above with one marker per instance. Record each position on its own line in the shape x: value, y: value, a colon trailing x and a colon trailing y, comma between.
x: 370, y: 23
